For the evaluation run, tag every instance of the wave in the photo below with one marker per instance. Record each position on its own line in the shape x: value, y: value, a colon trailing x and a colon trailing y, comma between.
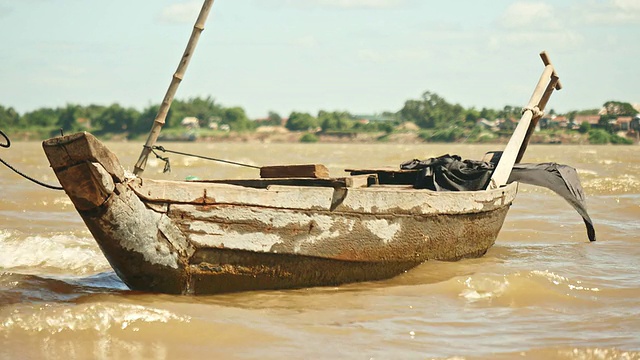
x: 96, y: 317
x: 570, y: 353
x: 575, y: 353
x: 21, y: 288
x: 530, y: 287
x: 50, y: 254
x: 623, y: 183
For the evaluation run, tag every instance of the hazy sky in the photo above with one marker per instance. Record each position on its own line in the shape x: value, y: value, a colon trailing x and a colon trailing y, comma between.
x: 362, y: 56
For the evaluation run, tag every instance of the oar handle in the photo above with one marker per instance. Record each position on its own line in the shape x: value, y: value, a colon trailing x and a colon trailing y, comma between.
x: 545, y: 59
x: 517, y: 144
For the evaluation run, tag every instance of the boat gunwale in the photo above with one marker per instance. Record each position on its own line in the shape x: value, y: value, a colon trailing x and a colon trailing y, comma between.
x: 325, y: 199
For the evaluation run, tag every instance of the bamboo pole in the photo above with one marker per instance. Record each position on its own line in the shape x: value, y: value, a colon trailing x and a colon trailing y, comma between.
x: 547, y: 83
x: 173, y: 87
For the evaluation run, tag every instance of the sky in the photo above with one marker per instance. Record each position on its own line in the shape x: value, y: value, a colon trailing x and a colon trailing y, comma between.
x: 361, y: 56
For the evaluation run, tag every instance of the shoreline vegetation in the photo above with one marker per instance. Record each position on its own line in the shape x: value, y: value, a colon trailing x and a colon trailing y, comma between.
x: 427, y: 119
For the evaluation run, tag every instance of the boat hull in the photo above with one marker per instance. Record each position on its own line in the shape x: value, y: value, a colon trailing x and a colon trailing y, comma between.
x: 207, y: 237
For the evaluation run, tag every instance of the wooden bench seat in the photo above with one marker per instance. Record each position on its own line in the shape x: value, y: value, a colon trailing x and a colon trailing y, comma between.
x: 363, y: 180
x: 388, y: 176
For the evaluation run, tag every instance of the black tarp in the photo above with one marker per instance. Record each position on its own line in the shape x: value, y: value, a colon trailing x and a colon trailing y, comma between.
x: 451, y: 173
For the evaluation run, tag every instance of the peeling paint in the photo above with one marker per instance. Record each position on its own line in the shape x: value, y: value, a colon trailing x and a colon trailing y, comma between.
x: 382, y: 229
x: 135, y: 227
x: 233, y: 240
x: 212, y: 229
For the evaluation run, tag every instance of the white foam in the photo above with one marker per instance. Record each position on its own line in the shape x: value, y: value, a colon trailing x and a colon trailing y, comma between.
x: 562, y: 281
x: 62, y: 253
x: 599, y: 353
x: 484, y: 288
x: 101, y: 317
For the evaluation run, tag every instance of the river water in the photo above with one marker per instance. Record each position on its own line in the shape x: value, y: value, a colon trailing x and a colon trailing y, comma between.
x: 542, y: 292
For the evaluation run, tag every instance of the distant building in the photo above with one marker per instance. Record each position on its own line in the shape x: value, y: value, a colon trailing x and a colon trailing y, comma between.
x: 487, y: 124
x: 591, y: 119
x: 622, y: 123
x: 190, y: 122
x: 507, y: 124
x: 554, y: 122
x: 365, y: 119
x: 634, y: 125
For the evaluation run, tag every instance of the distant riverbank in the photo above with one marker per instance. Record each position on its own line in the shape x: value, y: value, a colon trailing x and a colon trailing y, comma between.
x: 284, y: 136
x: 409, y: 137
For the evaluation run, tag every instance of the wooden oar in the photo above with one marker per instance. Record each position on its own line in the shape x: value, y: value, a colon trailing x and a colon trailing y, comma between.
x: 553, y: 85
x: 173, y: 87
x: 516, y: 146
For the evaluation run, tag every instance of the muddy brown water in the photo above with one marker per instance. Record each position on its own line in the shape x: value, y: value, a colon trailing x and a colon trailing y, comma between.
x: 542, y: 292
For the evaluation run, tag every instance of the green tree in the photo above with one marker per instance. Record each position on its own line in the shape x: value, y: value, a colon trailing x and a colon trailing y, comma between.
x: 598, y: 137
x: 9, y: 117
x: 309, y: 138
x: 619, y: 140
x: 236, y: 118
x: 91, y: 112
x: 488, y: 114
x: 115, y: 119
x: 301, y: 122
x: 618, y: 108
x: 334, y: 121
x: 432, y: 111
x: 202, y: 108
x: 43, y: 117
x: 605, y: 122
x: 584, y: 127
x: 274, y: 119
x: 68, y: 115
x: 144, y: 122
x: 510, y: 112
x: 386, y: 126
x: 471, y: 116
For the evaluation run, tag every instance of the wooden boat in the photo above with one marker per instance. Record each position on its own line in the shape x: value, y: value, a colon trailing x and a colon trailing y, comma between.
x: 204, y: 237
x: 201, y: 237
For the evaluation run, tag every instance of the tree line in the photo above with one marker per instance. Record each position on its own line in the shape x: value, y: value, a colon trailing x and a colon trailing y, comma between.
x: 439, y: 119
x: 115, y: 119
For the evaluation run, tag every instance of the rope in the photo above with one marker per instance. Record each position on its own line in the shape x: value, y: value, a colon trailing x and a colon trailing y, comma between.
x: 535, y: 111
x: 6, y: 139
x: 8, y: 144
x: 166, y: 160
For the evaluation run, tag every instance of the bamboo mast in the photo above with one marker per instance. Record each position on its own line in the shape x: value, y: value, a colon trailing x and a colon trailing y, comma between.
x: 173, y: 87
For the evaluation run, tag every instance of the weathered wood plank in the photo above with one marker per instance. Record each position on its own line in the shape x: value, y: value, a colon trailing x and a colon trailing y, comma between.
x: 395, y: 200
x: 292, y: 171
x: 390, y: 176
x: 275, y: 196
x: 350, y: 181
x: 364, y: 180
x: 86, y: 192
x: 69, y: 150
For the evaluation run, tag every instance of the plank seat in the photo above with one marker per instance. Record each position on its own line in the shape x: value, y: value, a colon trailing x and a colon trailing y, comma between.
x: 363, y: 180
x: 389, y: 176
